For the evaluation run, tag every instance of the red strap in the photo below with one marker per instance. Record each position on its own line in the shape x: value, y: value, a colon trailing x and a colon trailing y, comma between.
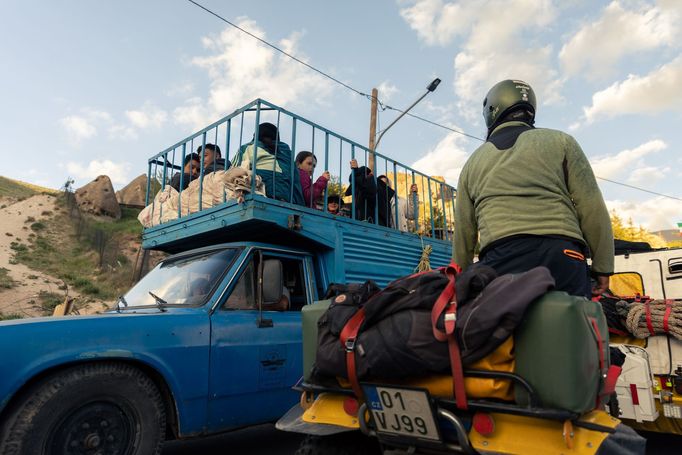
x: 348, y: 337
x: 444, y: 300
x: 446, y: 304
x: 602, y: 360
x: 600, y: 344
x: 648, y: 318
x: 666, y: 316
x: 618, y: 332
x: 442, y: 305
x: 457, y: 373
x: 635, y: 395
x: 611, y: 379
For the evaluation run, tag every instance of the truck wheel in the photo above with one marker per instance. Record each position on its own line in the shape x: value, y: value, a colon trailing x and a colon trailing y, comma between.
x: 100, y: 408
x: 350, y: 443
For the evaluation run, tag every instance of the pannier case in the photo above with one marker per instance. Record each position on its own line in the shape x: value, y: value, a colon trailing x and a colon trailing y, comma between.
x: 310, y: 315
x: 557, y: 351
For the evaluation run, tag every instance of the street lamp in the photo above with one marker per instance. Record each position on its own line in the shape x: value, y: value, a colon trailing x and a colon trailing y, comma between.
x: 432, y: 86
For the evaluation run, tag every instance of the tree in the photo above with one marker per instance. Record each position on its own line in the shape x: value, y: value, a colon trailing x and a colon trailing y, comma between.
x: 632, y: 233
x: 334, y: 187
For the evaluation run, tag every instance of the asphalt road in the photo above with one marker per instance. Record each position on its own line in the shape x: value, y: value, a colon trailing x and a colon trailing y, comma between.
x: 663, y: 444
x: 266, y: 440
x: 259, y: 440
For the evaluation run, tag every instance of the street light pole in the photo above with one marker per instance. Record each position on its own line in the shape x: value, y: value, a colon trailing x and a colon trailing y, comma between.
x: 432, y: 86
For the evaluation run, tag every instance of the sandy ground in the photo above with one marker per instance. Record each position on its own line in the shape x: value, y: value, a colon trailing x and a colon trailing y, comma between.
x: 23, y: 298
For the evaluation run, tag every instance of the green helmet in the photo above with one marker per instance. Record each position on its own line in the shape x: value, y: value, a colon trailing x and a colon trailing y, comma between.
x: 504, y: 96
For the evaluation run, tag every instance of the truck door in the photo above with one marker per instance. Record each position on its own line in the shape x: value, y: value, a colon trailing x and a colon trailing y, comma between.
x: 256, y: 356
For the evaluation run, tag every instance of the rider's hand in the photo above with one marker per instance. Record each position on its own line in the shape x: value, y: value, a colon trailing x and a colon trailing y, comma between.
x: 601, y: 285
x: 326, y: 175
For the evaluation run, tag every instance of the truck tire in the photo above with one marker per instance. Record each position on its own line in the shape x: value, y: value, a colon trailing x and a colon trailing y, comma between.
x: 99, y: 408
x: 350, y: 443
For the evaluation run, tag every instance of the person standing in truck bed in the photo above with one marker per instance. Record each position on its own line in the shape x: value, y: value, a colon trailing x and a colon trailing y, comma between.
x: 532, y: 196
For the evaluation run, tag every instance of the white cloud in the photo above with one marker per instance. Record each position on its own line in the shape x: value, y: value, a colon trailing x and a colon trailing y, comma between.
x: 121, y: 131
x: 386, y: 91
x: 241, y: 69
x: 656, y: 92
x: 493, y: 49
x: 648, y: 174
x: 96, y: 115
x: 192, y: 113
x: 477, y: 72
x: 78, y: 128
x: 84, y: 125
x: 446, y: 159
x: 147, y: 116
x: 653, y: 214
x: 599, y: 45
x: 437, y: 22
x: 628, y: 161
x: 183, y: 89
x: 119, y: 173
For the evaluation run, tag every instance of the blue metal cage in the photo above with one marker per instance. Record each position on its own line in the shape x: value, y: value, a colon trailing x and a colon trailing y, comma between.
x: 432, y: 203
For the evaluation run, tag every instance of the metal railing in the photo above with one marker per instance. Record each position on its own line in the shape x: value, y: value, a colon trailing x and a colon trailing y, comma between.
x: 411, y: 202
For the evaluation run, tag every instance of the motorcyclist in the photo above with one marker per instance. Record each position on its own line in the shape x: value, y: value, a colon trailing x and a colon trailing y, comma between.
x: 531, y: 194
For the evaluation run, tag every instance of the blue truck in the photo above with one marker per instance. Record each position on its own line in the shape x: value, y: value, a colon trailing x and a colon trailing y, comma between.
x: 210, y: 339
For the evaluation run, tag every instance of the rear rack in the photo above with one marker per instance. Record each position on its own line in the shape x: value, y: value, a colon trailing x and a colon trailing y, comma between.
x: 533, y: 409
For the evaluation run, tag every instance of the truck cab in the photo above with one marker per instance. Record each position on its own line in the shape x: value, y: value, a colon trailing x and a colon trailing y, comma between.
x: 210, y: 339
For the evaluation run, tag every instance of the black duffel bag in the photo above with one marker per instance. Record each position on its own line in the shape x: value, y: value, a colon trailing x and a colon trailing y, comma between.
x: 395, y: 335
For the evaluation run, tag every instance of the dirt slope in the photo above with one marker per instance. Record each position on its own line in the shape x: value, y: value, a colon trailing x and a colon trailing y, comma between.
x: 23, y: 298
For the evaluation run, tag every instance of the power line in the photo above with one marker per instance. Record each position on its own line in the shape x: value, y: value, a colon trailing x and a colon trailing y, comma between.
x: 322, y: 73
x: 436, y: 124
x: 640, y: 189
x: 278, y: 49
x: 386, y: 106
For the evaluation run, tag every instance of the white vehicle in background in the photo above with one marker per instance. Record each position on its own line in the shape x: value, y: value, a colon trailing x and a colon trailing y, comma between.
x: 660, y: 270
x: 650, y: 386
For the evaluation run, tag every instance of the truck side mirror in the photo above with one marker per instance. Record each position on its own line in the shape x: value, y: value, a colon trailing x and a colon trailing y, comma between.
x: 270, y: 278
x: 272, y: 281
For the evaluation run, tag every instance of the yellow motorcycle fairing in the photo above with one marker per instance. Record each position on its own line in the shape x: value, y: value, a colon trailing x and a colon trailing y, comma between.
x: 525, y: 435
x: 514, y: 435
x: 328, y: 409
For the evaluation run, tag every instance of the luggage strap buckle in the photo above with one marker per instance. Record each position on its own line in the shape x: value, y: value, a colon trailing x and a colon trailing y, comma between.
x: 350, y: 344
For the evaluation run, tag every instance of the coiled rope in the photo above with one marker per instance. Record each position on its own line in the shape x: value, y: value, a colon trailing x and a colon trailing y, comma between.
x: 654, y: 317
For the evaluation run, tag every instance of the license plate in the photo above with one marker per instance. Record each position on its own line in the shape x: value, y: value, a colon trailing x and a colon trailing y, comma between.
x: 403, y: 412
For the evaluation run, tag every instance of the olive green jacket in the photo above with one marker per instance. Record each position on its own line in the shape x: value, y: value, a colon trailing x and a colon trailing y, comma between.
x: 542, y: 185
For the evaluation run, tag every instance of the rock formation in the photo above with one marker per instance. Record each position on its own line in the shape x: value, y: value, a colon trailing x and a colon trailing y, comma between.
x: 134, y: 193
x: 98, y: 198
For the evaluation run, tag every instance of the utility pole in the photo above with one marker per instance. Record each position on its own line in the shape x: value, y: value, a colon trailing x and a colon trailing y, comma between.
x: 373, y: 128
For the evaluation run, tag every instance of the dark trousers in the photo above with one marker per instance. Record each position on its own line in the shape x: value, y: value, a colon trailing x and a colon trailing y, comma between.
x: 564, y: 259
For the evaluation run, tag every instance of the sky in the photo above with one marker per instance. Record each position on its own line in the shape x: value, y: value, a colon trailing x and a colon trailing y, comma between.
x: 90, y: 88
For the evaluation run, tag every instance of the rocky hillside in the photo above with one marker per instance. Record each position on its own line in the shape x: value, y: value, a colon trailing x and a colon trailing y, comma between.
x: 50, y: 250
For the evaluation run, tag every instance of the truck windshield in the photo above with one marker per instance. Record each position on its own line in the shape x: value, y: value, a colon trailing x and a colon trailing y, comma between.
x: 187, y: 280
